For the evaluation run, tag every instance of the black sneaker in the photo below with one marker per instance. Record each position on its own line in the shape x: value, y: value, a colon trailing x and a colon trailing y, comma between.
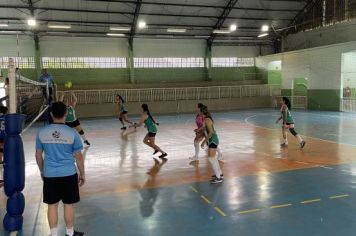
x: 124, y: 128
x: 163, y: 157
x: 302, y: 144
x: 216, y: 180
x: 155, y: 152
x: 214, y: 176
x: 76, y: 233
x: 87, y: 142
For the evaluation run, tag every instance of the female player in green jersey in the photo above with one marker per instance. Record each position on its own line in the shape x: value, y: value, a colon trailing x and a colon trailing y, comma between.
x: 71, y: 118
x: 122, y: 112
x: 288, y: 123
x: 150, y: 123
x: 212, y: 140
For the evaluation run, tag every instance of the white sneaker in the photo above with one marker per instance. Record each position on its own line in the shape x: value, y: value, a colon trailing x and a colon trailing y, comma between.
x: 193, y: 158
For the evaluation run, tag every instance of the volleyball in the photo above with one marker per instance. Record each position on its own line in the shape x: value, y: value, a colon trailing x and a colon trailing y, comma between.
x: 68, y: 84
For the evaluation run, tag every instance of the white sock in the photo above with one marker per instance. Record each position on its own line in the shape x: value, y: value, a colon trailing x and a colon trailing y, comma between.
x: 215, y: 165
x: 196, y: 146
x: 299, y: 138
x: 83, y: 137
x: 70, y: 231
x: 286, y: 141
x: 54, y: 231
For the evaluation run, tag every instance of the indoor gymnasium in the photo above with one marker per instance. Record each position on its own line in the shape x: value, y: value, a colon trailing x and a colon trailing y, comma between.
x: 170, y: 118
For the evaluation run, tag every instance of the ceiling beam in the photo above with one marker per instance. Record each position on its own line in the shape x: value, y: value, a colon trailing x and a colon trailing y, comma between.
x: 197, y: 5
x: 221, y: 20
x: 134, y: 23
x: 142, y: 13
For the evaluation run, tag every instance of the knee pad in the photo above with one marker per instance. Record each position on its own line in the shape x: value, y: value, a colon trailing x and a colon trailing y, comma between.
x: 81, y: 132
x: 120, y: 119
x: 1, y: 150
x: 292, y: 131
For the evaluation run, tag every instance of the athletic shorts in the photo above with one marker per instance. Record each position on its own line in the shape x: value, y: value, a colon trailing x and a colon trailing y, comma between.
x: 65, y: 189
x: 213, y: 145
x: 289, y: 123
x: 151, y: 134
x: 73, y: 124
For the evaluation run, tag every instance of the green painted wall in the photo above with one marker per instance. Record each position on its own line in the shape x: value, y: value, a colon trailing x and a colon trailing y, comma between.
x: 286, y: 92
x: 233, y: 73
x: 169, y: 75
x: 326, y: 100
x: 300, y: 86
x: 28, y: 73
x: 274, y: 77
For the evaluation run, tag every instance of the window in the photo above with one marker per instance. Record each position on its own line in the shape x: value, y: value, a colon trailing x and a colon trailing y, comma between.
x: 20, y: 62
x: 168, y: 62
x: 83, y: 62
x: 232, y: 62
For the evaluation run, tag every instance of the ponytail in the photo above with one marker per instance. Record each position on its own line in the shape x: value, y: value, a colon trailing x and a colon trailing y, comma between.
x: 121, y: 98
x: 145, y: 109
x: 205, y: 111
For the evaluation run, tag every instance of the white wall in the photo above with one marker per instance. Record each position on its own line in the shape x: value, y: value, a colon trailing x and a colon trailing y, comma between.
x: 321, y: 65
x: 240, y: 51
x: 11, y: 46
x: 348, y: 69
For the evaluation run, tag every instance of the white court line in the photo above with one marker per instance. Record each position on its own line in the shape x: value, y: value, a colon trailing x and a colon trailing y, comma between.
x: 326, y: 167
x: 249, y: 123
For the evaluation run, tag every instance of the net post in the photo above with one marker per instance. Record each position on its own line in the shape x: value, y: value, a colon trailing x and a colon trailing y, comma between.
x: 14, y: 160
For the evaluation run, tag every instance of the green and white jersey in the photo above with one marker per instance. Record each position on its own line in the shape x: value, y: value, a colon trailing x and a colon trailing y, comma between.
x: 71, y: 117
x: 122, y: 108
x: 286, y: 115
x: 150, y: 125
x: 214, y: 138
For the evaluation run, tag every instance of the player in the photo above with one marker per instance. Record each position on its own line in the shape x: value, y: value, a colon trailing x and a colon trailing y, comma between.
x: 288, y: 123
x: 150, y: 123
x: 71, y: 119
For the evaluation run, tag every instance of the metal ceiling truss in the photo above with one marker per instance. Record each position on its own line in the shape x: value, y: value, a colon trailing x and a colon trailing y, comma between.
x: 134, y: 23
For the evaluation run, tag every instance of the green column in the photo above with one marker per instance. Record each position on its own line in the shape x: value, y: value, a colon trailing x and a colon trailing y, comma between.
x: 208, y: 62
x: 37, y: 56
x: 131, y: 63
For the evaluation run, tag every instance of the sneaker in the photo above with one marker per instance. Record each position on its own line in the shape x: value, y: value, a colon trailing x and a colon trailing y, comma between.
x: 87, y: 142
x: 214, y: 176
x: 284, y: 145
x: 302, y: 144
x: 216, y: 180
x: 163, y: 156
x: 193, y: 158
x: 124, y: 128
x: 76, y: 233
x: 155, y: 152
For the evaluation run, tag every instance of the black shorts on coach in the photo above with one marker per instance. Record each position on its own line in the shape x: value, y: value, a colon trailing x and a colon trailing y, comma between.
x: 65, y: 189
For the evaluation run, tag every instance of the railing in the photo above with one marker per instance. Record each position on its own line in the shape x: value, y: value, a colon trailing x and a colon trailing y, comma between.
x: 299, y: 102
x: 173, y: 94
x: 348, y: 104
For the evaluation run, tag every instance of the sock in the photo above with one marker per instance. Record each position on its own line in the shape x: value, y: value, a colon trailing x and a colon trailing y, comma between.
x: 70, y: 231
x: 54, y: 231
x: 299, y: 138
x: 286, y: 141
x: 196, y: 146
x: 215, y: 165
x: 83, y: 137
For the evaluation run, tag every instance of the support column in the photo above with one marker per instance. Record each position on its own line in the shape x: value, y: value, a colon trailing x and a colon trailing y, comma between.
x: 131, y: 63
x: 38, y: 64
x: 208, y: 62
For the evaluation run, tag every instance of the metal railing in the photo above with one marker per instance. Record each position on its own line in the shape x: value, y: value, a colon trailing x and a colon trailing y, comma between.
x: 173, y: 94
x: 299, y: 102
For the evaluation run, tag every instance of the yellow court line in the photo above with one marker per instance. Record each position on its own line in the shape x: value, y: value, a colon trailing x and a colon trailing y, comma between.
x: 219, y: 211
x: 194, y: 189
x: 311, y: 201
x: 339, y: 196
x: 249, y: 211
x: 205, y: 199
x: 280, y: 206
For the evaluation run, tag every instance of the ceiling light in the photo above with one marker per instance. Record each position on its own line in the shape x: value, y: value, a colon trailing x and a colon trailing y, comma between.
x: 233, y: 27
x: 31, y: 22
x: 120, y: 28
x: 262, y: 35
x: 265, y: 28
x: 176, y: 30
x: 115, y: 35
x: 59, y: 26
x: 3, y: 25
x: 221, y: 31
x: 142, y: 24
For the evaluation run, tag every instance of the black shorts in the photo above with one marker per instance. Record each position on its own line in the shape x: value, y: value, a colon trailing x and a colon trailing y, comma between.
x: 65, y: 189
x: 213, y: 145
x: 151, y: 134
x: 73, y: 124
x: 289, y: 123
